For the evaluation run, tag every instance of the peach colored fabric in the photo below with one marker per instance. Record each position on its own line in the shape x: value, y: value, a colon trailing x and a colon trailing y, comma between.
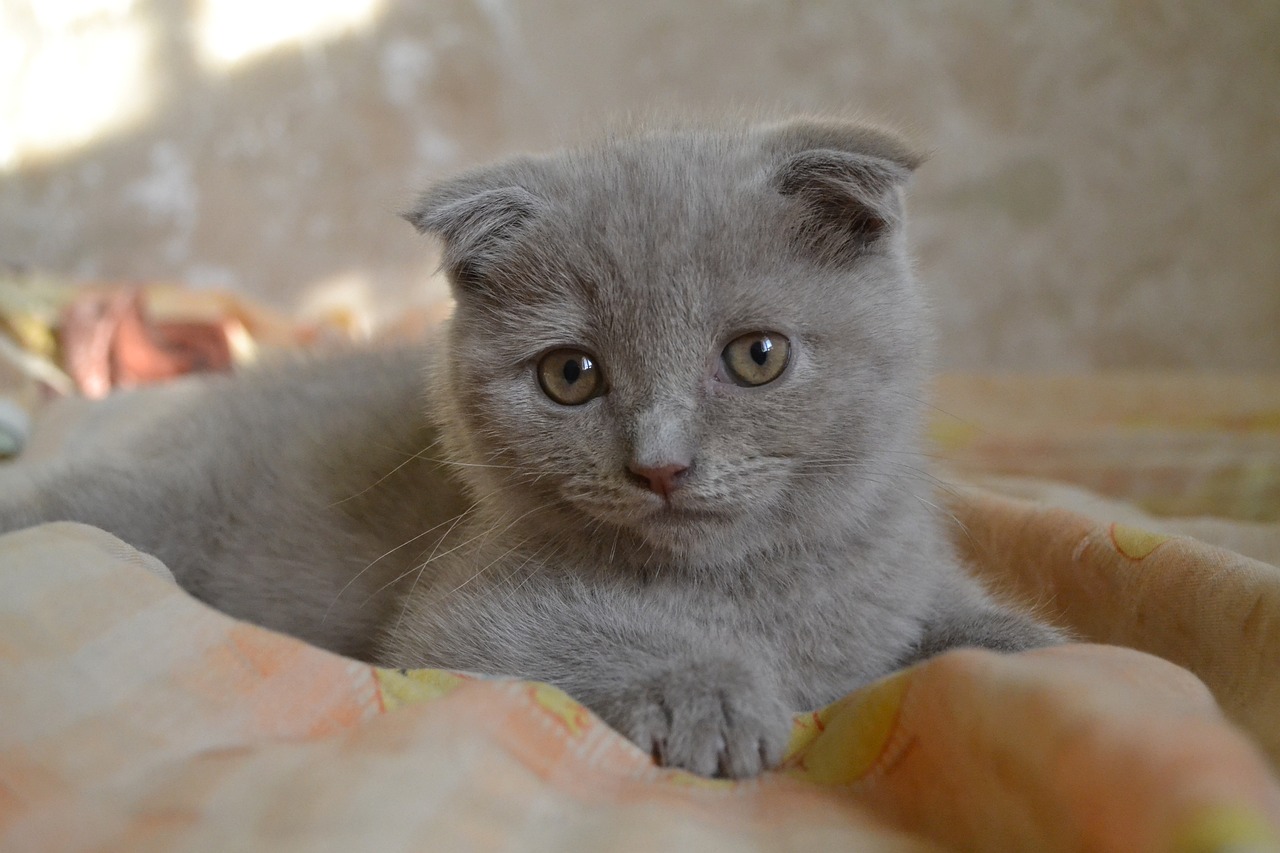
x: 1172, y: 444
x: 134, y: 718
x: 1213, y: 611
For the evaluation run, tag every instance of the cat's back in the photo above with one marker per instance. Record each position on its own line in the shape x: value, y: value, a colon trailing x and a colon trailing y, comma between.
x: 268, y: 494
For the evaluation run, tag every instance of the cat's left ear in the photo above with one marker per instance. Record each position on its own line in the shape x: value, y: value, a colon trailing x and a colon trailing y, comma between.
x: 847, y: 179
x: 479, y: 215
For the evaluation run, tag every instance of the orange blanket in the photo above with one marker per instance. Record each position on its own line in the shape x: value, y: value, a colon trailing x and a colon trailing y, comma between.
x: 134, y: 717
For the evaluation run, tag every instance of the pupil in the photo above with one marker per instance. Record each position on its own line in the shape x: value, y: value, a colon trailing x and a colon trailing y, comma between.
x: 572, y: 370
x: 760, y: 351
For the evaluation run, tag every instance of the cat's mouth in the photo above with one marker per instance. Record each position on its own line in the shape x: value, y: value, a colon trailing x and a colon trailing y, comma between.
x: 674, y: 514
x: 680, y: 515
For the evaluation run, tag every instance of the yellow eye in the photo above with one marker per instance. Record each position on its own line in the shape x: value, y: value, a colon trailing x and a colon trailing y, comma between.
x: 571, y: 377
x: 756, y: 358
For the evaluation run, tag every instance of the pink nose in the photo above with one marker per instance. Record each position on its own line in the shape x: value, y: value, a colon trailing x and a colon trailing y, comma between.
x: 661, y: 480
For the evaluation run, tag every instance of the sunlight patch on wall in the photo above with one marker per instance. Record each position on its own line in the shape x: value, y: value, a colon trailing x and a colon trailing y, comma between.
x: 70, y: 70
x: 232, y: 31
x: 345, y: 300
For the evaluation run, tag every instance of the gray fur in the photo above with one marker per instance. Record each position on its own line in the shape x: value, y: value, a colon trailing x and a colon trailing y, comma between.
x: 264, y: 493
x: 798, y: 558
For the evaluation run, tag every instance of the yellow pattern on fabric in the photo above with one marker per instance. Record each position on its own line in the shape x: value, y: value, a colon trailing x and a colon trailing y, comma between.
x: 1134, y: 542
x: 409, y: 687
x: 573, y: 714
x: 845, y: 739
x: 1225, y: 828
x: 951, y: 433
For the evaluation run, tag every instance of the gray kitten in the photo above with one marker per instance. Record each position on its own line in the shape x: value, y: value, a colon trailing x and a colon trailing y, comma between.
x: 674, y: 460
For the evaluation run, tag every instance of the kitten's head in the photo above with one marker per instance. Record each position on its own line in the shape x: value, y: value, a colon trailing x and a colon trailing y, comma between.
x: 700, y: 345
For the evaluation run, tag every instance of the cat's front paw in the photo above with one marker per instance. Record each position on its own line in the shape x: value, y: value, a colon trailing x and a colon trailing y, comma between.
x: 713, y: 719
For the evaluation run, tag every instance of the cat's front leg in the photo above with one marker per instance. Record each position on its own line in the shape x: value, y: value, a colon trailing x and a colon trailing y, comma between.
x: 967, y: 616
x: 680, y: 688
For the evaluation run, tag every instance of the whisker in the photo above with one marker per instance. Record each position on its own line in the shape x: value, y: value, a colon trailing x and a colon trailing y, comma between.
x: 488, y: 533
x: 964, y: 527
x: 508, y: 575
x: 409, y: 595
x: 536, y: 554
x: 379, y: 558
x: 494, y: 465
x: 381, y: 479
x: 613, y: 549
x: 421, y: 569
x: 913, y: 398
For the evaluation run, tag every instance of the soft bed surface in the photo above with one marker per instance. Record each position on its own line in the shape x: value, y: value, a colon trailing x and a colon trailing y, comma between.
x: 137, y: 718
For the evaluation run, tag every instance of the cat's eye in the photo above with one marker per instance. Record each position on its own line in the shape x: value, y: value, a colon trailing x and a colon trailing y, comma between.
x: 756, y: 358
x: 571, y: 377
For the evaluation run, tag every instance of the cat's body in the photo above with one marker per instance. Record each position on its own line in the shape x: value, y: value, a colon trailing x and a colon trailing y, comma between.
x: 680, y: 391
x: 261, y: 492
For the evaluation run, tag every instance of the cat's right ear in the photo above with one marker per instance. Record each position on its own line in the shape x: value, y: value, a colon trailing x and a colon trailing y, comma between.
x: 479, y: 216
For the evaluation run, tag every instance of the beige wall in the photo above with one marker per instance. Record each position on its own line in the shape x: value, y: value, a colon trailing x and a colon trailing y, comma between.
x: 1105, y: 192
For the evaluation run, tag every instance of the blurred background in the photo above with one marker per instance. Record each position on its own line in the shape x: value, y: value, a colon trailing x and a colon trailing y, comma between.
x: 1105, y: 189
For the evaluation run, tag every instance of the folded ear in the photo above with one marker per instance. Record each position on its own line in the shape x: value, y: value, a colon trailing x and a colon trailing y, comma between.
x: 479, y: 215
x: 847, y: 179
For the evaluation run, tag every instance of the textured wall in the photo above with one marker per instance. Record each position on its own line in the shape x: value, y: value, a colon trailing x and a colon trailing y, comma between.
x: 1105, y: 192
